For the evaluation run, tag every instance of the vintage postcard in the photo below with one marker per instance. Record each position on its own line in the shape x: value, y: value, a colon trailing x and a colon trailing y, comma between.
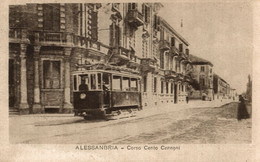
x: 130, y: 81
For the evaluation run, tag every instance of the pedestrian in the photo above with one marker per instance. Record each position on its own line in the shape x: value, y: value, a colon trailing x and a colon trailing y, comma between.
x: 187, y: 99
x: 242, y: 112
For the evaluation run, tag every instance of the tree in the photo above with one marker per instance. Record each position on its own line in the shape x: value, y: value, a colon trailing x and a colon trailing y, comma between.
x: 249, y: 89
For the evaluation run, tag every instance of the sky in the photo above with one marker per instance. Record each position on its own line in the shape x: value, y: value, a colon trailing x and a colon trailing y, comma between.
x: 221, y: 33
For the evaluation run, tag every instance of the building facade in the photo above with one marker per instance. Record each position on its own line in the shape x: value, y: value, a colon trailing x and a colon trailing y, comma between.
x: 49, y: 41
x: 203, y: 75
x: 222, y: 89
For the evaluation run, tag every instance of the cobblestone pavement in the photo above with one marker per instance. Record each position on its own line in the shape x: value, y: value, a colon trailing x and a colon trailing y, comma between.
x: 186, y: 124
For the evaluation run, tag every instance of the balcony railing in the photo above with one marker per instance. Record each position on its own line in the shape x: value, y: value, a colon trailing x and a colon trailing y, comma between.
x: 53, y: 38
x: 170, y: 73
x: 164, y: 45
x: 121, y: 52
x: 135, y: 18
x: 18, y: 35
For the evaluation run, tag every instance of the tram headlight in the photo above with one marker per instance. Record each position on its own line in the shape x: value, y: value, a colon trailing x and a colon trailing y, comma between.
x: 82, y: 96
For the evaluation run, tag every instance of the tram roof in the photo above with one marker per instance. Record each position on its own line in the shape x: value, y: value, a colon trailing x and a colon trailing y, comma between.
x: 120, y: 73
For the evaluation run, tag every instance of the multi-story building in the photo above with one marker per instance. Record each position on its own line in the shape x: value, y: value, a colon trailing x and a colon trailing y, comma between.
x: 221, y: 88
x: 203, y: 75
x: 49, y: 41
x: 168, y: 79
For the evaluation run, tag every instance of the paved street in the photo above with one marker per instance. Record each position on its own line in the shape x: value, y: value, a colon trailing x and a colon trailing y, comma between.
x: 184, y: 124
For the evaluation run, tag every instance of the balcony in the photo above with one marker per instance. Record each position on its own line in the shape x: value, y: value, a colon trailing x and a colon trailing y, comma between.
x: 120, y: 55
x: 18, y: 35
x: 187, y: 78
x: 181, y: 56
x: 135, y: 18
x: 170, y: 74
x: 134, y: 62
x: 148, y: 64
x: 174, y: 50
x: 48, y: 38
x: 180, y: 76
x: 164, y: 45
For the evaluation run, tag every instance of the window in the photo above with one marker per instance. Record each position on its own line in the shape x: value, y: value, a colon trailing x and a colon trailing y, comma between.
x: 125, y: 84
x: 162, y: 34
x: 99, y: 80
x: 161, y: 86
x: 202, y: 68
x: 133, y: 84
x: 181, y: 47
x: 51, y: 74
x: 145, y: 83
x: 75, y: 82
x: 162, y: 60
x: 51, y: 17
x: 116, y: 83
x: 167, y: 87
x: 187, y: 51
x: 146, y: 13
x: 155, y: 84
x: 132, y: 6
x: 93, y: 81
x: 172, y: 41
x: 155, y: 22
x: 83, y: 82
x: 171, y: 88
x: 115, y: 35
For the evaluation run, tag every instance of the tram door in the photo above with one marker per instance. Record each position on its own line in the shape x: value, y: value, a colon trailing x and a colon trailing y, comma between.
x: 106, y: 88
x: 11, y: 84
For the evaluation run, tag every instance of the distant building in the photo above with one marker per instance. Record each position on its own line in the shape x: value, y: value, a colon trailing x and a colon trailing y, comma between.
x: 222, y: 89
x: 203, y: 75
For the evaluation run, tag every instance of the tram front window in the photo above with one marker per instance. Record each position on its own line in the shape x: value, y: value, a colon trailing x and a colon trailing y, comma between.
x: 116, y: 83
x: 125, y: 84
x: 106, y: 85
x: 134, y: 84
x: 83, y: 82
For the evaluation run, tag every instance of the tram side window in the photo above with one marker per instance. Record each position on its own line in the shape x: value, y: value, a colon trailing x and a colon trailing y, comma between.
x: 125, y: 84
x: 99, y: 80
x: 106, y: 81
x: 93, y: 81
x: 116, y: 83
x: 83, y: 82
x: 134, y: 84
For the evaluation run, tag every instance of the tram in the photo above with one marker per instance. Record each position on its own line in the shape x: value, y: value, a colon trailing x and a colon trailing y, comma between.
x: 103, y: 93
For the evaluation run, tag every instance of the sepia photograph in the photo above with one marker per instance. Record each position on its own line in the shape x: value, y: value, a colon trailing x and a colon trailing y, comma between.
x: 130, y: 75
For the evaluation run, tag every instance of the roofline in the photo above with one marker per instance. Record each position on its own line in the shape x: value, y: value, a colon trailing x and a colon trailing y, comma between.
x: 220, y: 78
x: 205, y: 62
x: 174, y: 31
x: 202, y: 63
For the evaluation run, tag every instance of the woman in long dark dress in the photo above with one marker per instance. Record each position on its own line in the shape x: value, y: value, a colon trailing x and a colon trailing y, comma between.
x: 242, y: 110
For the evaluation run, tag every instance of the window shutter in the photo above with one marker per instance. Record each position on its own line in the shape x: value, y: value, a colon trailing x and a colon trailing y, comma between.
x: 143, y: 9
x: 111, y: 35
x: 155, y: 21
x: 148, y: 14
x: 119, y: 36
x: 94, y: 27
